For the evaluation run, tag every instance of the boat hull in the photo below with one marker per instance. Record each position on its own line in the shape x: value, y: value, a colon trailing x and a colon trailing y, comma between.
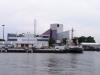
x: 75, y: 50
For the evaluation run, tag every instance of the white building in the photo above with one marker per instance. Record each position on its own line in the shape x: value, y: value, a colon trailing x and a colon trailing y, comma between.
x: 95, y: 45
x: 27, y: 40
x: 57, y: 33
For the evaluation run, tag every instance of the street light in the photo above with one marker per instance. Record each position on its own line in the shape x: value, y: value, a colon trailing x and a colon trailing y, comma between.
x: 3, y: 31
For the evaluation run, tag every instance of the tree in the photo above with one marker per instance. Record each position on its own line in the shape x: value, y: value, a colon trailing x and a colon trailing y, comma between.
x: 82, y: 39
x: 88, y: 39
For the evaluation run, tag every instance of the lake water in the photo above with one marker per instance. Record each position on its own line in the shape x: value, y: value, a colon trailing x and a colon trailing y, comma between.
x: 87, y: 63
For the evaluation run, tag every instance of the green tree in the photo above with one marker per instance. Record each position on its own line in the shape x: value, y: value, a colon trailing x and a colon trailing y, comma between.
x: 88, y: 39
x: 82, y: 39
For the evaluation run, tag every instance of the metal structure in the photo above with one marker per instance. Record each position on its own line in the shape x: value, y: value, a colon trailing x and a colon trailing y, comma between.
x: 72, y: 34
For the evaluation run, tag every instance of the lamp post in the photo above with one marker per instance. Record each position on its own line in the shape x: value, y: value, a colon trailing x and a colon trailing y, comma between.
x: 3, y: 31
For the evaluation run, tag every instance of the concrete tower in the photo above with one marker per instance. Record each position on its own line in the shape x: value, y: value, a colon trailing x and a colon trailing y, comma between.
x: 57, y: 27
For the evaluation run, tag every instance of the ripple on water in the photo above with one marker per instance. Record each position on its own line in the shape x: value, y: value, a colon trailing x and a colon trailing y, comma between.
x: 87, y: 63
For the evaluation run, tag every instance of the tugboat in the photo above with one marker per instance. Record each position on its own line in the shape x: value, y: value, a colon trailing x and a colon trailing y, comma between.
x: 75, y: 49
x: 73, y: 46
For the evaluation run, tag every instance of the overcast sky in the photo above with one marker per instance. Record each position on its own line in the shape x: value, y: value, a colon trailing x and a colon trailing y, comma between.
x: 82, y: 15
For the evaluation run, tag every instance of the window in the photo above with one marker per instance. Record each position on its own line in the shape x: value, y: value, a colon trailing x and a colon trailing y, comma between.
x: 26, y: 45
x: 22, y: 45
x: 57, y: 25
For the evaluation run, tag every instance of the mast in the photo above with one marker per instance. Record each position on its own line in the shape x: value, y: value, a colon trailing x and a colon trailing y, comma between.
x: 72, y: 36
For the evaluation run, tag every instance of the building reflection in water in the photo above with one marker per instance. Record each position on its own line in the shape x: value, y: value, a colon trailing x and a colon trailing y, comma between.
x: 73, y: 64
x: 55, y: 66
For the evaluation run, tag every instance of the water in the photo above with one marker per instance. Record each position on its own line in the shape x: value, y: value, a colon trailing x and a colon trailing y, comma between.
x: 87, y: 63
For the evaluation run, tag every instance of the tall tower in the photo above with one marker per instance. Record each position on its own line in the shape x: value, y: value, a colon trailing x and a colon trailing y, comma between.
x: 34, y: 27
x: 57, y: 27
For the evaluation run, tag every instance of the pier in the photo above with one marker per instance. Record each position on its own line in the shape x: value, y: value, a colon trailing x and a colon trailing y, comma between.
x: 22, y: 50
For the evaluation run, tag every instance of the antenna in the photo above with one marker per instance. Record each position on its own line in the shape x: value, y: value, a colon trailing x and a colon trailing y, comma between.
x: 72, y: 33
x: 34, y: 27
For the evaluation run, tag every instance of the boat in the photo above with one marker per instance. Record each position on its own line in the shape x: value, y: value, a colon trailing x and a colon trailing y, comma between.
x: 75, y: 49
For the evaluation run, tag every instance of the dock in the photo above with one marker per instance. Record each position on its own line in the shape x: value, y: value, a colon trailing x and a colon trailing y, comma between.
x: 22, y: 50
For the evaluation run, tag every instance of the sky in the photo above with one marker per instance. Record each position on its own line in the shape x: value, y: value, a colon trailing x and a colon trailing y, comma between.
x: 82, y: 15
